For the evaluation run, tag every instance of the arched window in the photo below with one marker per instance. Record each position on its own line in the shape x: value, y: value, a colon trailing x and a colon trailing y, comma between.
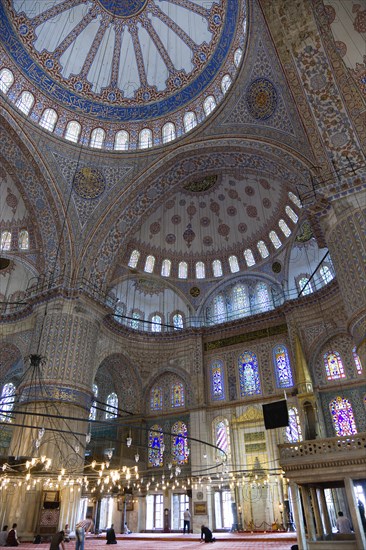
x: 189, y: 121
x: 73, y: 130
x: 165, y: 268
x: 305, y: 286
x: 149, y: 264
x: 156, y: 446
x: 263, y: 250
x: 121, y: 141
x: 342, y: 416
x: 240, y: 300
x: 136, y: 320
x: 217, y: 380
x: 282, y: 367
x: 111, y: 410
x: 145, y: 138
x: 225, y: 83
x: 275, y: 239
x: 48, y: 119
x: 177, y: 321
x: 156, y: 399
x: 284, y: 228
x: 209, y: 104
x: 6, y: 80
x: 357, y: 361
x: 7, y: 402
x: 177, y: 395
x: 333, y: 366
x: 200, y: 270
x: 25, y: 102
x: 179, y: 443
x: 326, y: 274
x: 168, y: 132
x: 182, y: 270
x: 248, y: 374
x: 262, y: 300
x: 295, y: 199
x: 156, y: 321
x: 93, y: 408
x: 219, y: 309
x: 237, y: 57
x: 234, y: 264
x: 5, y: 242
x: 217, y: 268
x: 134, y: 258
x: 222, y: 437
x: 293, y: 431
x: 249, y: 258
x: 23, y: 239
x: 97, y: 138
x: 291, y: 214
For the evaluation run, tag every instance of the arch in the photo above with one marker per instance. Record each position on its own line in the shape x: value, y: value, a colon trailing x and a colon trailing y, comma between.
x: 189, y: 121
x: 226, y: 83
x: 48, y: 119
x: 97, y: 138
x: 25, y: 102
x: 217, y: 268
x: 121, y: 140
x: 209, y: 105
x: 5, y: 240
x: 6, y: 80
x: 23, y: 239
x: 168, y: 132
x: 145, y: 138
x: 73, y: 131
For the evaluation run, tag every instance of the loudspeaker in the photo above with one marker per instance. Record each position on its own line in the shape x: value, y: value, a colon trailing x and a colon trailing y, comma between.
x: 189, y: 493
x: 275, y: 414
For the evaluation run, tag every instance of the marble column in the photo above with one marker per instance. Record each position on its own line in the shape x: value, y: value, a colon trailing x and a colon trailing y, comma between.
x: 355, y: 514
x: 298, y: 516
x: 317, y: 516
x: 305, y: 492
x: 324, y: 512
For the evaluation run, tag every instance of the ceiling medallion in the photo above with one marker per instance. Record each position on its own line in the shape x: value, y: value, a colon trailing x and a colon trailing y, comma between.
x: 195, y: 291
x: 123, y: 8
x: 88, y: 183
x: 261, y: 98
x: 202, y: 185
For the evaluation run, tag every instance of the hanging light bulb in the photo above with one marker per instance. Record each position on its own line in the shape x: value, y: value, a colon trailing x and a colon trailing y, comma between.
x: 109, y: 453
x: 77, y: 448
x: 88, y: 437
x: 41, y: 433
x: 129, y: 441
x: 137, y: 457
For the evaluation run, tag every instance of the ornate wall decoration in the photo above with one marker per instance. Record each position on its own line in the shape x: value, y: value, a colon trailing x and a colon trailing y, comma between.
x: 89, y: 183
x: 261, y: 97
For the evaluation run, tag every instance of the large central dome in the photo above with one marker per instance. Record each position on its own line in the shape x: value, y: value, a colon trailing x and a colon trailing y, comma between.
x: 123, y: 8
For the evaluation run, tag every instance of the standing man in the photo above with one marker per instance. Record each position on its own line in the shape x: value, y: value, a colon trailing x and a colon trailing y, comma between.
x: 343, y: 524
x: 84, y: 526
x: 187, y: 522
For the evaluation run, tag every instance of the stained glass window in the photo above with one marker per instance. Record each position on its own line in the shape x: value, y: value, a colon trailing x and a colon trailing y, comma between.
x: 282, y: 367
x: 293, y: 431
x: 149, y: 264
x: 263, y: 250
x: 156, y: 399
x: 97, y: 138
x: 5, y: 242
x: 25, y: 102
x: 326, y: 274
x: 200, y: 270
x: 305, y: 286
x: 333, y: 365
x: 240, y: 300
x: 48, y: 119
x: 179, y: 444
x: 6, y: 80
x: 233, y: 263
x: 134, y: 258
x: 121, y: 141
x: 145, y: 138
x: 168, y: 132
x: 217, y: 268
x: 225, y: 83
x: 342, y: 416
x: 93, y: 408
x: 263, y: 302
x: 7, y: 402
x: 284, y: 228
x: 182, y: 270
x: 177, y: 395
x: 237, y: 57
x: 291, y: 214
x: 217, y: 380
x: 275, y: 239
x: 357, y: 361
x: 156, y: 446
x: 178, y: 321
x: 23, y: 239
x: 222, y: 435
x: 249, y: 258
x: 189, y: 120
x: 219, y: 307
x: 156, y: 321
x: 209, y: 104
x: 165, y: 268
x: 73, y: 130
x: 135, y: 322
x: 112, y: 406
x: 294, y: 199
x: 248, y: 374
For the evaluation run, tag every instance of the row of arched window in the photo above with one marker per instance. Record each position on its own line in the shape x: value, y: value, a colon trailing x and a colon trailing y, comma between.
x: 307, y: 286
x: 179, y: 447
x: 154, y: 323
x: 49, y: 117
x: 22, y: 241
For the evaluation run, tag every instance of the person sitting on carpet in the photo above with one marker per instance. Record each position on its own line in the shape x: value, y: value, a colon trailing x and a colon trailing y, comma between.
x: 111, y: 535
x: 206, y: 534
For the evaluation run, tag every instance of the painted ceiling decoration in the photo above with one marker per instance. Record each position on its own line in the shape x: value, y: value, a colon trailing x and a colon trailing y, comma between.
x: 127, y: 61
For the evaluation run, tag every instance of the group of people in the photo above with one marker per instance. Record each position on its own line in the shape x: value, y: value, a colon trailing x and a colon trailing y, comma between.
x: 9, y: 537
